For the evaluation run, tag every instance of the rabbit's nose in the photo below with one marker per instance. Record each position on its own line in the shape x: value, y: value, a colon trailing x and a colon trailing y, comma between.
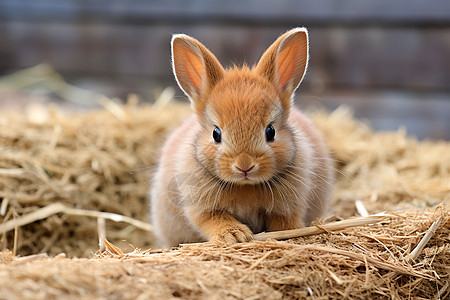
x: 245, y: 171
x: 244, y: 162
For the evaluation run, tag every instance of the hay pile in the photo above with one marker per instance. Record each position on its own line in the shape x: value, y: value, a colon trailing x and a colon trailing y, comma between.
x: 360, y: 263
x: 93, y: 161
x: 97, y: 162
x: 385, y: 170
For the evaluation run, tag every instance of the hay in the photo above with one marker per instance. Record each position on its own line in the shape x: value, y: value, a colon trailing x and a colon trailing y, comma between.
x: 384, y: 170
x: 67, y: 180
x: 358, y: 263
x: 63, y: 168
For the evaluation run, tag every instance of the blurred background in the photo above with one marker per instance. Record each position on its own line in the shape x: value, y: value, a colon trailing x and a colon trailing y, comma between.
x: 389, y: 60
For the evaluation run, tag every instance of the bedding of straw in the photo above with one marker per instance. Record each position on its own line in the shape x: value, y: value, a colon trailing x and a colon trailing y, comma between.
x: 62, y: 176
x: 357, y: 263
x: 93, y: 161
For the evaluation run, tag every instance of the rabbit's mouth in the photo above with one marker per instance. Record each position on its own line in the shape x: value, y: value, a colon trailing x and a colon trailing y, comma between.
x: 245, y: 174
x: 248, y: 176
x: 245, y: 169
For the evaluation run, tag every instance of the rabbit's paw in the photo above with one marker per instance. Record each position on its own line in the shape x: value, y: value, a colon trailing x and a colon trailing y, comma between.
x: 235, y: 234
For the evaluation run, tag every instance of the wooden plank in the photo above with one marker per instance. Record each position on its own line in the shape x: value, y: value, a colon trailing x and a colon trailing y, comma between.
x: 250, y: 11
x: 424, y: 115
x: 365, y: 57
x: 376, y: 57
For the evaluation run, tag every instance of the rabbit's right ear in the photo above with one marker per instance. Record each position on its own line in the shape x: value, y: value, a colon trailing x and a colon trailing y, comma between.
x: 196, y: 69
x: 285, y: 62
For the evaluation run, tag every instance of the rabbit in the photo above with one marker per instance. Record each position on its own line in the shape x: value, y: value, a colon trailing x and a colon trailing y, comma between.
x: 247, y: 160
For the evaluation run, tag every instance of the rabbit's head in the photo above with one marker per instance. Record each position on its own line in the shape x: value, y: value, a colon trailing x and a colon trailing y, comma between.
x: 245, y: 137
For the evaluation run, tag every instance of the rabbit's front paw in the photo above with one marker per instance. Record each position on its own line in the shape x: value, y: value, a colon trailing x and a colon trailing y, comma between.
x: 235, y: 234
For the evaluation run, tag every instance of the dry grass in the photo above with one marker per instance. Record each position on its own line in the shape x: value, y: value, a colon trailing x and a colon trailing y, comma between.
x: 385, y: 170
x: 93, y: 161
x: 63, y: 176
x: 358, y: 263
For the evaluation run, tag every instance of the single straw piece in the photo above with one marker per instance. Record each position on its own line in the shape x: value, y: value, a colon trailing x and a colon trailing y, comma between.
x: 362, y: 211
x: 335, y: 226
x: 415, y: 253
x: 101, y: 228
x: 55, y: 208
x: 12, y: 172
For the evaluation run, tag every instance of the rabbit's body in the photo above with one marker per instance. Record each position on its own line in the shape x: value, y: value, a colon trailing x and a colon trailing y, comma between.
x: 265, y: 167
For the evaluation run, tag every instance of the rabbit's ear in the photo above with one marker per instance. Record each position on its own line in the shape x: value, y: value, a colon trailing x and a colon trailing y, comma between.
x: 195, y: 67
x: 286, y: 60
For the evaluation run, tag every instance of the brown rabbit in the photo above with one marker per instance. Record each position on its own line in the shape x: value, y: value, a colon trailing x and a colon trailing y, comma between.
x: 247, y: 160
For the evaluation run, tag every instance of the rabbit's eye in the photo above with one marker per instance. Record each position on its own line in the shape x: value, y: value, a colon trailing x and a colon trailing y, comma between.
x: 217, y: 135
x: 270, y: 133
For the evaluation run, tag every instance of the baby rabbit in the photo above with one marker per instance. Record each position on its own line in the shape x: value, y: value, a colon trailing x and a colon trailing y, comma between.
x: 247, y: 160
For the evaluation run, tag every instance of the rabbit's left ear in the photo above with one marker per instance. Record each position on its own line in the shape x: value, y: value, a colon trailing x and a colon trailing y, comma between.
x: 196, y: 69
x: 286, y: 60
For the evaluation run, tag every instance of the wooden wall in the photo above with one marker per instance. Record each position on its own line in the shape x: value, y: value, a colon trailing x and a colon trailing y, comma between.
x: 363, y: 45
x: 354, y: 43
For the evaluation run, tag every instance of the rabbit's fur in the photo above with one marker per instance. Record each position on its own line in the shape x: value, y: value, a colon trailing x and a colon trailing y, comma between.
x: 243, y: 183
